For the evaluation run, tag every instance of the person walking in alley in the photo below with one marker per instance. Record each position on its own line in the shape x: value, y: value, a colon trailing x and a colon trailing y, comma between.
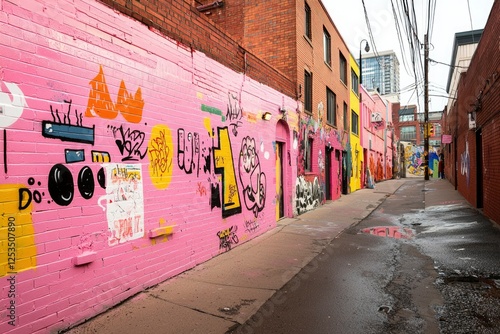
x: 441, y: 166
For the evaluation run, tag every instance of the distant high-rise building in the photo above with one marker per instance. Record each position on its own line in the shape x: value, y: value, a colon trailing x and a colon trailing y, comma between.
x: 381, y: 73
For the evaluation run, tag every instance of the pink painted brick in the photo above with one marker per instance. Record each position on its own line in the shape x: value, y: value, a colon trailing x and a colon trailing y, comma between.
x: 22, y: 45
x: 43, y: 323
x: 57, y: 266
x: 46, y: 236
x: 84, y: 259
x: 46, y: 280
x: 84, y: 298
x: 18, y: 329
x: 33, y: 294
x: 31, y: 317
x: 45, y: 258
x: 57, y: 245
x: 24, y: 307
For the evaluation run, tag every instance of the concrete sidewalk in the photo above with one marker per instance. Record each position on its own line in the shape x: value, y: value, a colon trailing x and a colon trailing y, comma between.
x: 230, y: 288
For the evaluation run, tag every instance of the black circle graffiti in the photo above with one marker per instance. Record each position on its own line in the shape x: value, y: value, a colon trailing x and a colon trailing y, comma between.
x: 37, y: 197
x: 61, y: 186
x: 101, y: 178
x: 86, y: 182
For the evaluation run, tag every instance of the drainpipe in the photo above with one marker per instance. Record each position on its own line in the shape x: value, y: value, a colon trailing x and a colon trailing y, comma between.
x: 385, y: 138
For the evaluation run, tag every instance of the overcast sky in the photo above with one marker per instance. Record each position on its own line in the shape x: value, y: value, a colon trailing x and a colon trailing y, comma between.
x: 451, y: 16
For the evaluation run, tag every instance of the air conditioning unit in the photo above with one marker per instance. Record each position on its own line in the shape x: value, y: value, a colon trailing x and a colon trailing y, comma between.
x: 376, y: 117
x: 472, y: 120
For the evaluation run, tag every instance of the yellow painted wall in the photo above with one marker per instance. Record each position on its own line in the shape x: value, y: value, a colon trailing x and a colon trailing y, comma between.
x: 355, y: 139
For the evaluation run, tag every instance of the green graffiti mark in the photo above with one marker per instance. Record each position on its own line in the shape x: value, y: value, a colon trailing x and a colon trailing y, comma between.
x: 213, y: 110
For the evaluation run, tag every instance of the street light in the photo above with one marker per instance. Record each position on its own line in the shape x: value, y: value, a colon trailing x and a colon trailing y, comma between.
x: 367, y: 49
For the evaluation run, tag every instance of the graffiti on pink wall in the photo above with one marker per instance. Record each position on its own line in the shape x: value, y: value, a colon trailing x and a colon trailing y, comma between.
x: 161, y: 151
x: 12, y: 104
x: 107, y: 154
x: 100, y: 103
x: 124, y: 202
x: 252, y: 179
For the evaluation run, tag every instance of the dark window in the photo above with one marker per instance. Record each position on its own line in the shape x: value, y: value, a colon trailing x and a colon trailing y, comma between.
x: 354, y: 82
x: 308, y: 31
x: 331, y: 106
x: 354, y: 122
x: 346, y: 117
x: 343, y: 68
x: 308, y: 160
x: 308, y: 91
x: 327, y: 46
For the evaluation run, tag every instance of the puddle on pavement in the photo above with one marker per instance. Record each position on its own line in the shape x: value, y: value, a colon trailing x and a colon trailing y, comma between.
x: 395, y: 232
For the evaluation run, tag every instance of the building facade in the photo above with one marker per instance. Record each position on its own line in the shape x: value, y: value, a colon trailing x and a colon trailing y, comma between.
x: 144, y: 138
x: 130, y: 154
x: 472, y: 159
x: 381, y: 73
x: 357, y: 157
x: 410, y: 130
x: 464, y: 46
x: 309, y: 50
x: 377, y: 138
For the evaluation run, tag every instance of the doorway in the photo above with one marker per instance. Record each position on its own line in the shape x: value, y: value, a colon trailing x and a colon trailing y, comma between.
x: 345, y: 184
x: 280, y: 211
x: 479, y: 168
x: 328, y: 173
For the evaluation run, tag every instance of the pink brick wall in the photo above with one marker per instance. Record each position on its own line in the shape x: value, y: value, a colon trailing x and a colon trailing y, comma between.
x: 109, y: 131
x: 378, y: 158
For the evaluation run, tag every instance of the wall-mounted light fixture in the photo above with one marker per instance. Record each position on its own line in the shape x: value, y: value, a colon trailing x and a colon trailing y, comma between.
x: 367, y: 49
x: 282, y: 111
x: 210, y: 6
x: 267, y: 116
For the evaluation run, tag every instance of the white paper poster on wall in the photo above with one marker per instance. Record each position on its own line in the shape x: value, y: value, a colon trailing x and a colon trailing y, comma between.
x: 124, y: 202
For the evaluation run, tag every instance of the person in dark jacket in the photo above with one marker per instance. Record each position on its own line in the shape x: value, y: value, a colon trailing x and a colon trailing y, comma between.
x: 441, y: 166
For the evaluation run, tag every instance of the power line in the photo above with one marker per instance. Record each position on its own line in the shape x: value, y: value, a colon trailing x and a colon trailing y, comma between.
x: 400, y: 38
x: 470, y: 18
x: 470, y: 15
x: 431, y: 14
x: 408, y: 17
x: 370, y: 34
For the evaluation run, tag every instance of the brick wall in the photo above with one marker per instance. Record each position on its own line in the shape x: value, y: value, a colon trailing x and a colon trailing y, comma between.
x: 310, y: 57
x: 479, y: 91
x: 274, y: 31
x: 123, y: 154
x: 182, y: 22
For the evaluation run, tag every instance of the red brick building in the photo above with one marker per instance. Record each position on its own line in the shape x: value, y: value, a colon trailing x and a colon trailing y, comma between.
x: 409, y: 125
x: 300, y: 40
x: 473, y: 120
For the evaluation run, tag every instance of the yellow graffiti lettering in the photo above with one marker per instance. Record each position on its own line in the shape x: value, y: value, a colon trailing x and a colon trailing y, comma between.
x: 224, y: 166
x: 160, y: 152
x: 208, y: 126
x: 17, y: 235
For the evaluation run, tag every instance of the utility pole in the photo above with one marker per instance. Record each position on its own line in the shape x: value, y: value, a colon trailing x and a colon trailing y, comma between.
x: 426, y: 107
